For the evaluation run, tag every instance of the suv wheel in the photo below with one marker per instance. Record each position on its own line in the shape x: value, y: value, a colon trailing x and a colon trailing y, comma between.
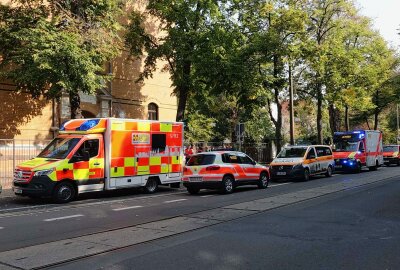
x: 227, y: 184
x: 193, y: 190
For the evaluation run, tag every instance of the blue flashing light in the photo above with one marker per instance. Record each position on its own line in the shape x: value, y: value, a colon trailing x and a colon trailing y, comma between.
x: 351, y: 163
x: 344, y: 161
x: 361, y: 136
x: 88, y: 125
x: 357, y: 132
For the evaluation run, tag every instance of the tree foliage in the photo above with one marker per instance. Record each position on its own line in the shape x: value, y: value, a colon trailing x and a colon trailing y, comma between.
x: 54, y: 46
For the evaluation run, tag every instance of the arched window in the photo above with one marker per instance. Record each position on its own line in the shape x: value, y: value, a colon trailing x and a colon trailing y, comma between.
x: 152, y: 111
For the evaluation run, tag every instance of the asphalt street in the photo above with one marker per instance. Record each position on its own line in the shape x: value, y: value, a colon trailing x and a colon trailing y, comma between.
x: 338, y: 222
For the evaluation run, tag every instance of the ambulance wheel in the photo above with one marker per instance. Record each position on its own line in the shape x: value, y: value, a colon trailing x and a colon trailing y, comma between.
x: 374, y: 168
x: 151, y: 185
x: 263, y: 181
x: 193, y: 190
x: 227, y: 184
x: 64, y: 192
x: 328, y: 171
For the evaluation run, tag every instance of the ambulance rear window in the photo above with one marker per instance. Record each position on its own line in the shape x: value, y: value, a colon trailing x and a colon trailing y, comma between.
x: 197, y: 160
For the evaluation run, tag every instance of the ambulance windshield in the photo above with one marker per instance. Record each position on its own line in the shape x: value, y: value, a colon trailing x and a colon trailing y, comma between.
x: 295, y: 152
x: 59, y: 148
x: 345, y: 146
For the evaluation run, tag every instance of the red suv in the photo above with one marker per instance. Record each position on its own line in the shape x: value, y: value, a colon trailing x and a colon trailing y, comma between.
x: 223, y: 170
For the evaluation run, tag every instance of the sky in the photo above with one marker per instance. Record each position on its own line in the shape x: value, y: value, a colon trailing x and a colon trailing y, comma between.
x: 386, y: 17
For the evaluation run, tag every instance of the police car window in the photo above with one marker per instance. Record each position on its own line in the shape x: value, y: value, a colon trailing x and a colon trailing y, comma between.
x: 361, y: 148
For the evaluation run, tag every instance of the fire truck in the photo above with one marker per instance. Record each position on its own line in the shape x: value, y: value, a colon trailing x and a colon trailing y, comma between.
x: 354, y: 150
x: 104, y: 154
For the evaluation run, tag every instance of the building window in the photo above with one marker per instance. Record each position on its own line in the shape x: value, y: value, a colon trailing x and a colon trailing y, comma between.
x: 152, y: 111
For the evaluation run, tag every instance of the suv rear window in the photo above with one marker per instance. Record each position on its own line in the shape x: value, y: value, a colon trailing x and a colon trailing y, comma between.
x: 201, y: 160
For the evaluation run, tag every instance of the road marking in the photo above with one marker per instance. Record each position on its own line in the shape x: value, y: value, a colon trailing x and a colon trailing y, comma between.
x: 206, y: 196
x: 1, y: 228
x: 60, y: 218
x: 127, y: 208
x: 275, y: 185
x: 175, y: 201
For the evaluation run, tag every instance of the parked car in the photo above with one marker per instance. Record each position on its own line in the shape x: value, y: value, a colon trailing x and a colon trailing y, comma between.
x: 391, y: 154
x: 223, y: 170
x: 301, y: 162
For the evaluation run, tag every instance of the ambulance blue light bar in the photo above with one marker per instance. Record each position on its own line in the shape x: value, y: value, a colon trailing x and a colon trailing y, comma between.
x: 88, y: 125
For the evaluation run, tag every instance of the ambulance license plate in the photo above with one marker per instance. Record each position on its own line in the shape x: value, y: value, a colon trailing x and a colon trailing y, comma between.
x: 281, y: 173
x: 17, y: 191
x: 195, y: 179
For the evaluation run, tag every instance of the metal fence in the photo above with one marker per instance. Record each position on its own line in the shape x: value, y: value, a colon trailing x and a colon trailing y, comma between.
x: 13, y: 152
x: 261, y: 152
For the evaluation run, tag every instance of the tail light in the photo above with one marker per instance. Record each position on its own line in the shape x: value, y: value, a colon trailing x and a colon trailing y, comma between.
x: 185, y: 169
x: 213, y: 168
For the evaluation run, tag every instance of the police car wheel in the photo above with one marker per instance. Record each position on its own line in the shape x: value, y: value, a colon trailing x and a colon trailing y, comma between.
x: 263, y: 181
x: 227, y: 184
x: 64, y: 192
x: 151, y: 185
x: 328, y: 171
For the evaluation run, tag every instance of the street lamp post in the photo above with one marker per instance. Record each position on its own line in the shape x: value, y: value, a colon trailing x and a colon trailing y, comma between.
x: 291, y: 109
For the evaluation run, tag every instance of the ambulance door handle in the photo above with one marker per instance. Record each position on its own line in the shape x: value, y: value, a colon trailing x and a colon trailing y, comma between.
x: 96, y: 164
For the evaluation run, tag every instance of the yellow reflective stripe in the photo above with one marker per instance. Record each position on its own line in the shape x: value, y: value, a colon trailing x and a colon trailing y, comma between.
x: 176, y: 160
x: 155, y: 161
x: 129, y: 162
x: 92, y: 161
x: 165, y: 127
x: 81, y: 174
x: 119, y: 125
x: 164, y: 168
x: 53, y: 176
x: 119, y: 172
x: 143, y: 126
x: 143, y: 169
x: 352, y: 155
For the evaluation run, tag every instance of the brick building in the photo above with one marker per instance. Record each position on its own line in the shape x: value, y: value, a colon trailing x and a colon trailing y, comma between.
x: 38, y: 119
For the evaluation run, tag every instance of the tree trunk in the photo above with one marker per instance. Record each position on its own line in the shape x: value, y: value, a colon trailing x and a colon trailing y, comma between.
x: 334, y: 119
x: 319, y: 114
x: 376, y: 119
x: 278, y: 123
x: 346, y: 118
x: 75, y: 104
x: 183, y: 91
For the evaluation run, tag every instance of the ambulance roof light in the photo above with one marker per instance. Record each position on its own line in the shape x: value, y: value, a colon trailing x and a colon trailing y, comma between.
x: 88, y: 124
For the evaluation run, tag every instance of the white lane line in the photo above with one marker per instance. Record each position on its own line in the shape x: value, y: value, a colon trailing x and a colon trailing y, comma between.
x: 127, y: 208
x: 60, y: 218
x: 1, y: 228
x: 206, y: 196
x: 180, y: 200
x: 275, y: 185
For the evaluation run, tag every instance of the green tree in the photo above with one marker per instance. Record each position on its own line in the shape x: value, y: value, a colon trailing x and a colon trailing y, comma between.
x: 182, y: 27
x: 54, y: 46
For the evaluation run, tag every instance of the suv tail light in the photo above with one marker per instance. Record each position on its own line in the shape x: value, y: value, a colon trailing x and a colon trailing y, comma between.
x: 213, y: 168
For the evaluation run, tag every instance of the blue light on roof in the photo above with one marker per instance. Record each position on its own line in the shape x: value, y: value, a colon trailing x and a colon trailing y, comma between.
x: 88, y: 125
x: 357, y: 132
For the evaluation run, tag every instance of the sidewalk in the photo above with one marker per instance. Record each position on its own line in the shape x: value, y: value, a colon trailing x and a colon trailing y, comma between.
x: 6, y: 193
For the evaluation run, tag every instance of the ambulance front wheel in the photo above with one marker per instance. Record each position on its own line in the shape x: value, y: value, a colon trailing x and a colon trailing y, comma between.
x: 64, y: 192
x: 151, y: 185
